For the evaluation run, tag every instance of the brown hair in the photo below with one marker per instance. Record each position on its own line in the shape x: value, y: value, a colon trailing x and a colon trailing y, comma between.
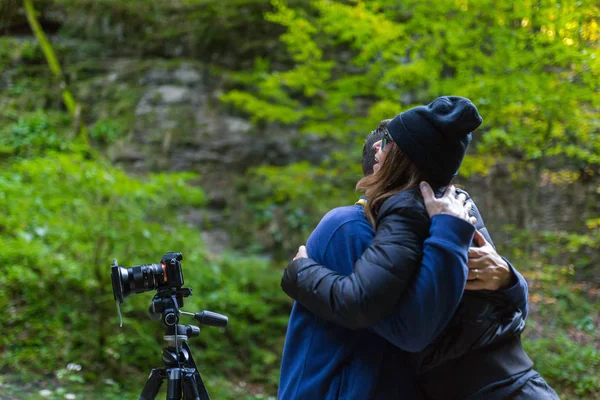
x: 397, y: 173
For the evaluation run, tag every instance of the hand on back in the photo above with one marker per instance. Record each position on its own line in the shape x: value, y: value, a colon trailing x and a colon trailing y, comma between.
x: 487, y: 270
x: 449, y: 203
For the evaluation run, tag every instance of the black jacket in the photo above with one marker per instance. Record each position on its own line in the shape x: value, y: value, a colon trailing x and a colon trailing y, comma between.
x: 484, y: 319
x: 365, y: 297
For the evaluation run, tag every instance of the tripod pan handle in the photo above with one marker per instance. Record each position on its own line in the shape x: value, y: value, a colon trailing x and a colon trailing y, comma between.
x: 211, y: 319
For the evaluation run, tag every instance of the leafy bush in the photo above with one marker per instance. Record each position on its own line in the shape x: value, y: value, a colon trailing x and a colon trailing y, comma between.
x: 280, y: 206
x: 562, y: 329
x: 559, y: 255
x: 105, y: 131
x: 65, y: 218
x: 35, y: 133
x: 568, y: 366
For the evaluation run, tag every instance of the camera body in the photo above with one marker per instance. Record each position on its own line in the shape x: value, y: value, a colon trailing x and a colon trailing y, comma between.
x: 143, y: 278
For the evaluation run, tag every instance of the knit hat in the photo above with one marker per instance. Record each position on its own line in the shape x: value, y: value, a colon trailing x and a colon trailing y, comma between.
x: 435, y: 137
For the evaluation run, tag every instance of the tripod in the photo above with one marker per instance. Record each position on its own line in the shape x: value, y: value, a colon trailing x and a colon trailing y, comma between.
x: 180, y: 369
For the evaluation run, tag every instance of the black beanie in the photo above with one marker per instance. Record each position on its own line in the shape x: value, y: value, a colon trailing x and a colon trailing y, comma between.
x: 435, y: 137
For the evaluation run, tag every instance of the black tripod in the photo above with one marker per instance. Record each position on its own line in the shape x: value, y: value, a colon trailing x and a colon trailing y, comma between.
x: 180, y: 369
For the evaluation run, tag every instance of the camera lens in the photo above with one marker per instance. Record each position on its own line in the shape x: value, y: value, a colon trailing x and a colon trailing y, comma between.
x: 138, y: 279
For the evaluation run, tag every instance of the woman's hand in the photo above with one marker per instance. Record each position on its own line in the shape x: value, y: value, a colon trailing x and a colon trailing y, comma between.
x: 302, y: 253
x: 487, y: 270
x: 449, y: 203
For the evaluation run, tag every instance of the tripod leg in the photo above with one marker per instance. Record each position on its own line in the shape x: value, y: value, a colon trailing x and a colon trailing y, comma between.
x: 152, y: 385
x: 193, y: 387
x: 190, y: 390
x: 198, y: 384
x: 174, y: 384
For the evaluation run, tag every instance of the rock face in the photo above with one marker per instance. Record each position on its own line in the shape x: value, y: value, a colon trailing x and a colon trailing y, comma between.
x: 536, y: 206
x: 180, y: 125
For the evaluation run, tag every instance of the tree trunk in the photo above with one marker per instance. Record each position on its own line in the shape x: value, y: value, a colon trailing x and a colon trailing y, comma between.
x: 68, y: 99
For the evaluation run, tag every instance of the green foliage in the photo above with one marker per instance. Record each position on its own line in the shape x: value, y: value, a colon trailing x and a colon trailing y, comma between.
x: 567, y: 364
x: 34, y: 133
x: 281, y: 205
x: 532, y: 69
x: 65, y: 218
x: 199, y: 28
x: 105, y: 131
x: 562, y: 329
x: 31, y: 104
x: 32, y: 101
x: 560, y: 255
x: 14, y: 51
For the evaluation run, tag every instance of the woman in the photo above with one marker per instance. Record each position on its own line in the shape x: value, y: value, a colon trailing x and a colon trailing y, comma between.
x: 479, y: 355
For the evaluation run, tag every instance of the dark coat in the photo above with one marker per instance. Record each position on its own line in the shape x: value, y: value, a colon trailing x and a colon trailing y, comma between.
x: 382, y: 275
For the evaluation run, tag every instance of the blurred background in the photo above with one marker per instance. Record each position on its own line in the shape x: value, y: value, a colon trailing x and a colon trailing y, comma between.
x: 225, y: 129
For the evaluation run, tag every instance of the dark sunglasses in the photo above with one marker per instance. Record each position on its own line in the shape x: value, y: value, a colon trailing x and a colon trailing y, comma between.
x: 386, y: 138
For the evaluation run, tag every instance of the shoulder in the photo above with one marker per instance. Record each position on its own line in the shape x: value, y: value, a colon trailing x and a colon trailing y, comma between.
x: 337, y: 226
x: 407, y: 201
x: 344, y: 216
x: 341, y: 221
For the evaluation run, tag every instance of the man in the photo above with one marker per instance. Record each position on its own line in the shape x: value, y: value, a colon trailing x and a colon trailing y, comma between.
x: 322, y: 360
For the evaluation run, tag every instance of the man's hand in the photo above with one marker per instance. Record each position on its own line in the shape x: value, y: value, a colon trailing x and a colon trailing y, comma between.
x: 487, y: 270
x: 302, y: 253
x: 449, y: 203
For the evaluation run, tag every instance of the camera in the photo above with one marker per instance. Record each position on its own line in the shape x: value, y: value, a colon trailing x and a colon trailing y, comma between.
x: 143, y: 278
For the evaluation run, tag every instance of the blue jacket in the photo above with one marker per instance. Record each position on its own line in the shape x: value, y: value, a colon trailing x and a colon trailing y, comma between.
x: 322, y: 360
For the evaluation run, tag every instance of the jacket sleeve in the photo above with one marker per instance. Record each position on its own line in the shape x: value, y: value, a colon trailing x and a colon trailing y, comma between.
x: 433, y: 296
x: 481, y: 320
x: 518, y: 293
x: 380, y: 276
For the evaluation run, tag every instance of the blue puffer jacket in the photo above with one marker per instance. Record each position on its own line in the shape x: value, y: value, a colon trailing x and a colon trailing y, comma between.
x: 481, y: 342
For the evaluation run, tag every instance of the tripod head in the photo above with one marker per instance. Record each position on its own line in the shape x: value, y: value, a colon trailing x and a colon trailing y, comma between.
x: 166, y: 306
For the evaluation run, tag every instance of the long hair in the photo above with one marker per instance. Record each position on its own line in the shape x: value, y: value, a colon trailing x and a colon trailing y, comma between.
x: 397, y: 173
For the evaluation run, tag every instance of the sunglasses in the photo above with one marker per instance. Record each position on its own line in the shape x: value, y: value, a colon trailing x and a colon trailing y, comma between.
x: 386, y: 138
